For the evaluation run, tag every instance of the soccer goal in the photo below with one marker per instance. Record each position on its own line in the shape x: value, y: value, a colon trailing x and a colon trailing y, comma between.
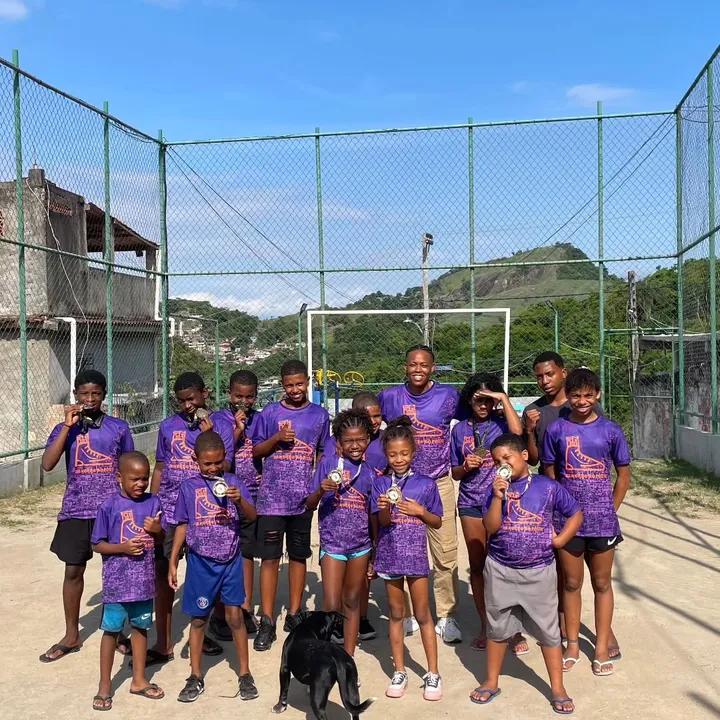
x: 349, y: 349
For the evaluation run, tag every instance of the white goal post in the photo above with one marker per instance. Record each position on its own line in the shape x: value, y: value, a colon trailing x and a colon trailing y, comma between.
x: 505, y: 312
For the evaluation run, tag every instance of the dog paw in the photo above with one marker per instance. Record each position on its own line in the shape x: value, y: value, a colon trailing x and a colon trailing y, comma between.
x: 279, y: 708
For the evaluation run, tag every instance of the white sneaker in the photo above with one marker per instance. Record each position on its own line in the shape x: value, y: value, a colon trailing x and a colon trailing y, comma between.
x: 448, y: 630
x: 398, y: 685
x: 410, y: 625
x: 433, y: 689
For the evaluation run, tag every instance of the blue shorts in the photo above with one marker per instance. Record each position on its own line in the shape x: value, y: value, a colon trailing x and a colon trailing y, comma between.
x: 345, y: 558
x: 473, y: 512
x: 207, y: 580
x: 138, y: 613
x: 384, y: 576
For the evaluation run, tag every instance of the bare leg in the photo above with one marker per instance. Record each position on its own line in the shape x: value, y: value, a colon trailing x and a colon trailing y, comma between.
x: 419, y: 592
x: 248, y: 579
x: 396, y: 612
x: 107, y: 655
x: 573, y: 568
x: 164, y: 598
x: 333, y: 575
x: 297, y: 574
x: 553, y: 658
x: 269, y: 570
x: 73, y: 585
x: 234, y: 617
x: 138, y: 639
x: 353, y: 589
x: 197, y: 636
x: 476, y: 541
x: 600, y: 575
x: 495, y: 656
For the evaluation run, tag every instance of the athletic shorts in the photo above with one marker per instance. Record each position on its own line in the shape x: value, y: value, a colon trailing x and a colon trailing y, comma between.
x: 473, y: 512
x: 345, y: 558
x: 386, y: 576
x: 248, y: 538
x: 592, y: 544
x: 164, y: 550
x: 138, y: 614
x: 206, y: 581
x: 295, y: 529
x: 522, y: 601
x: 71, y: 542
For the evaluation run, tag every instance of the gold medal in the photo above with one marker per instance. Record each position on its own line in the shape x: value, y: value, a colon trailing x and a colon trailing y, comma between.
x: 335, y: 476
x: 220, y: 488
x: 505, y: 472
x: 201, y: 414
x: 394, y: 495
x: 481, y: 451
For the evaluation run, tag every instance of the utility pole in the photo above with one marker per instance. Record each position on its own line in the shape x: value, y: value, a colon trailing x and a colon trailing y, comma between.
x: 427, y: 241
x: 633, y: 321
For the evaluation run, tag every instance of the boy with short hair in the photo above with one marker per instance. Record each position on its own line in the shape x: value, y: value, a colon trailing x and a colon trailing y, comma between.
x: 125, y: 533
x: 209, y: 510
x: 291, y: 435
x: 520, y: 577
x: 92, y: 442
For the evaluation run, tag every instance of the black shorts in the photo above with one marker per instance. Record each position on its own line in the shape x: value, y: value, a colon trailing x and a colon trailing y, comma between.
x: 593, y: 544
x: 71, y: 542
x: 164, y: 550
x: 248, y: 539
x: 296, y: 528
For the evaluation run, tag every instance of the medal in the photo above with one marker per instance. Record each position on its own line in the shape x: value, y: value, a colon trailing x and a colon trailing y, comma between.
x: 394, y: 495
x: 201, y: 414
x: 480, y: 450
x: 505, y: 472
x: 335, y: 476
x: 220, y: 488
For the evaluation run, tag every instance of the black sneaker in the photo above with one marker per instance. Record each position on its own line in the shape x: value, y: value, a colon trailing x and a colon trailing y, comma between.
x: 292, y: 621
x: 366, y: 631
x: 266, y: 635
x: 194, y: 688
x: 246, y: 687
x: 220, y: 629
x: 211, y: 648
x: 251, y: 624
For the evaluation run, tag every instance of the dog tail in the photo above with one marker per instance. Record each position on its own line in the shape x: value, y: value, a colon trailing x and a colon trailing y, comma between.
x: 348, y: 686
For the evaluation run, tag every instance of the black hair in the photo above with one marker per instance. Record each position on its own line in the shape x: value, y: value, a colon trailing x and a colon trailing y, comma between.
x: 351, y: 418
x: 424, y: 348
x: 91, y: 377
x: 133, y: 456
x: 400, y: 428
x: 549, y: 356
x: 477, y: 382
x: 208, y: 440
x: 188, y: 381
x: 244, y: 377
x: 293, y: 367
x: 509, y: 440
x: 582, y: 378
x: 364, y: 400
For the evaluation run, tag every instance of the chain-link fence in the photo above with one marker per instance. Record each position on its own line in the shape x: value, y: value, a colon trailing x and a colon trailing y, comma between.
x: 144, y: 258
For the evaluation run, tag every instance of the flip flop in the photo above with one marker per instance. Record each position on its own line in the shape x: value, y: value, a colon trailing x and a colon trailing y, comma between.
x: 561, y: 701
x: 600, y: 663
x: 210, y: 647
x: 480, y: 691
x: 145, y: 692
x: 574, y: 662
x: 479, y: 643
x: 124, y: 647
x: 104, y: 699
x: 153, y: 657
x: 515, y: 651
x: 617, y: 657
x: 64, y: 650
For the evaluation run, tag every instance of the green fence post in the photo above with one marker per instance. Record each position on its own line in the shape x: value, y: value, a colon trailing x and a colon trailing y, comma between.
x: 601, y: 248
x: 321, y: 253
x: 711, y: 249
x: 471, y: 234
x: 680, y: 259
x: 22, y: 286
x: 164, y: 273
x: 109, y: 255
x: 217, y: 363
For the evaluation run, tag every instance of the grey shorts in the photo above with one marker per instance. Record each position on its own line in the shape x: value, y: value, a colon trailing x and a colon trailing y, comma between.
x: 521, y: 601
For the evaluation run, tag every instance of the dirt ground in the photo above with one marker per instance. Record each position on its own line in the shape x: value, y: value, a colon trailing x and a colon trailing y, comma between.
x: 667, y: 582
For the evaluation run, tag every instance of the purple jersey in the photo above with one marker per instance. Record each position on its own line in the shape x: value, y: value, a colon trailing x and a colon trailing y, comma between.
x: 584, y: 455
x: 465, y: 437
x: 175, y: 443
x: 288, y: 471
x: 213, y: 523
x: 126, y: 578
x: 91, y: 460
x: 375, y: 455
x: 245, y: 467
x: 402, y: 546
x: 524, y: 539
x: 431, y: 414
x: 344, y: 515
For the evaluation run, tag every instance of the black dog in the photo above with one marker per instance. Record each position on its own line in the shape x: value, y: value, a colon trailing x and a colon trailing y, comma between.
x: 312, y: 659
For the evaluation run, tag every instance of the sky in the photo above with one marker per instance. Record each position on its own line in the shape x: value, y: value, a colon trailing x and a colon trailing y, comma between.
x: 203, y: 69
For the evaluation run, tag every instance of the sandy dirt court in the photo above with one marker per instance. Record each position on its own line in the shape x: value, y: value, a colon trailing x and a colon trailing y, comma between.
x: 667, y: 584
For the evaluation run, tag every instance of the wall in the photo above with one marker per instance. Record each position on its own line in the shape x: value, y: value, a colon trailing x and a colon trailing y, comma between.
x: 701, y: 449
x: 133, y: 295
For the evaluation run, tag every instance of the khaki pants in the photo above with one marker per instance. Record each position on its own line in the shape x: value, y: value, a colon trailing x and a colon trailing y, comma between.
x: 443, y: 551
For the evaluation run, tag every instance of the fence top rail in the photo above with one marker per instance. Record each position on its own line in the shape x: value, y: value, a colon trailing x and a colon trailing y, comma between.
x: 678, y: 107
x: 414, y: 311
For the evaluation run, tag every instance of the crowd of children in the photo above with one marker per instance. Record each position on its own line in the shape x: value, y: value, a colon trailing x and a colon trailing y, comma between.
x: 237, y: 484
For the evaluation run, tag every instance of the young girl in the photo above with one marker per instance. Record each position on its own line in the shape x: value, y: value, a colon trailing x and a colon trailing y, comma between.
x: 473, y: 466
x: 404, y: 505
x: 345, y: 544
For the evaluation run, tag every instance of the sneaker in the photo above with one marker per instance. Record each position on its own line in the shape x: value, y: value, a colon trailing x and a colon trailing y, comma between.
x: 448, y: 630
x: 410, y: 625
x: 246, y: 687
x: 367, y: 631
x: 292, y: 621
x: 338, y: 636
x: 220, y: 629
x: 194, y: 688
x: 398, y: 685
x: 266, y: 635
x: 433, y: 689
x: 211, y: 648
x: 251, y: 624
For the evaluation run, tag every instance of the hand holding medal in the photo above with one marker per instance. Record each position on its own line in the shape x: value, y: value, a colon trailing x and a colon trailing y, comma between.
x: 333, y: 481
x: 219, y: 487
x: 202, y: 419
x: 394, y: 495
x: 503, y: 477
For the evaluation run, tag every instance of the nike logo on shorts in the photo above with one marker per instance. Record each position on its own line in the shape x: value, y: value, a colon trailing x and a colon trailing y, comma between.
x: 612, y: 540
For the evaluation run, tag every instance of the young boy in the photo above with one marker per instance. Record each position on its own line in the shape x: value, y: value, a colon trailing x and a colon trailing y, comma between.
x: 291, y: 435
x: 173, y: 465
x: 582, y: 448
x: 241, y: 413
x: 208, y: 518
x: 125, y: 533
x: 92, y: 442
x: 520, y: 576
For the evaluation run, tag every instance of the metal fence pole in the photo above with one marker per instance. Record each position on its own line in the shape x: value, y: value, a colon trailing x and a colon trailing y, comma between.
x: 711, y: 249
x: 217, y: 363
x: 680, y: 262
x: 109, y: 255
x: 164, y: 273
x: 471, y: 232
x: 22, y: 286
x: 321, y: 259
x: 601, y: 247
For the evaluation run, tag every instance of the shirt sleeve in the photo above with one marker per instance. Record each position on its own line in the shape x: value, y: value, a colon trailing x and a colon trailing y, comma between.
x: 182, y: 516
x: 55, y: 432
x: 325, y: 439
x: 155, y: 506
x: 127, y: 444
x: 502, y: 424
x: 549, y: 448
x: 461, y: 411
x: 101, y: 529
x: 456, y: 443
x: 619, y: 450
x: 433, y: 502
x: 565, y: 503
x: 160, y: 447
x: 377, y: 491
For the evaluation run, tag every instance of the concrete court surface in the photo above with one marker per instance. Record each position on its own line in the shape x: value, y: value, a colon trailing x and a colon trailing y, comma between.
x: 667, y: 583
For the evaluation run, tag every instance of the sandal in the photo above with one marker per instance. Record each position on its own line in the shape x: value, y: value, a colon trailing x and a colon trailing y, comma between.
x: 123, y: 646
x: 64, y: 650
x: 618, y: 654
x: 153, y: 657
x: 106, y: 701
x: 479, y: 643
x: 561, y: 701
x: 147, y: 692
x: 210, y: 647
x: 601, y: 663
x: 573, y: 661
x: 492, y: 694
x: 513, y: 643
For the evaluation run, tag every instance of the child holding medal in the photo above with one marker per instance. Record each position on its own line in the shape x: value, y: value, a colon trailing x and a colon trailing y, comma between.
x: 473, y: 466
x: 404, y: 505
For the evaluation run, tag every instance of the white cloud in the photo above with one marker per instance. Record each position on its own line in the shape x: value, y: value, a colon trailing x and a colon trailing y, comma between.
x: 519, y: 87
x: 588, y: 95
x: 272, y: 304
x: 13, y: 10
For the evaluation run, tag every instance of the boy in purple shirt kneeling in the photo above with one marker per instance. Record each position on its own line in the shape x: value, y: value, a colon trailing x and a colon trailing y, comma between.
x: 125, y: 532
x: 520, y: 575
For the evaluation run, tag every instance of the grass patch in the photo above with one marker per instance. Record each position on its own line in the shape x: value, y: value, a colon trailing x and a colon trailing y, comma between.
x: 22, y: 511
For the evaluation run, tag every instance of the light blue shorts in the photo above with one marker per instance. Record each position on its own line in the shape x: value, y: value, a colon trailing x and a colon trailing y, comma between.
x: 345, y: 558
x: 384, y: 576
x: 138, y: 613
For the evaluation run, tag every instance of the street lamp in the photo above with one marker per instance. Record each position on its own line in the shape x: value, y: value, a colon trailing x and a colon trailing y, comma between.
x: 427, y: 241
x: 557, y: 325
x: 303, y: 308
